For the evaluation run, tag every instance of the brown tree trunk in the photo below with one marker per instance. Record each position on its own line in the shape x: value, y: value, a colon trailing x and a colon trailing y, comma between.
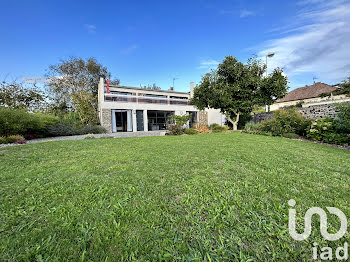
x: 234, y: 123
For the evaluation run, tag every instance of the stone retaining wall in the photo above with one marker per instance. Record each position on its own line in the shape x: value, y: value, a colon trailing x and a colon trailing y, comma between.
x: 313, y: 112
x: 319, y: 111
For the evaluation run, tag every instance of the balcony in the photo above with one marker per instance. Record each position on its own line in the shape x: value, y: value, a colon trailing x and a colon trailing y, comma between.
x: 145, y: 99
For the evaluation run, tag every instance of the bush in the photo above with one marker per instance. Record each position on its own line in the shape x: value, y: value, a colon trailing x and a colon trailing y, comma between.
x: 334, y: 138
x: 202, y: 129
x: 342, y: 123
x: 181, y: 120
x: 20, y: 142
x: 30, y: 136
x: 320, y: 128
x: 191, y: 131
x: 325, y: 130
x: 175, y: 130
x: 16, y: 121
x: 3, y: 140
x: 212, y: 126
x: 252, y: 128
x: 93, y: 130
x: 14, y: 138
x: 219, y: 129
x: 63, y: 129
x: 286, y: 121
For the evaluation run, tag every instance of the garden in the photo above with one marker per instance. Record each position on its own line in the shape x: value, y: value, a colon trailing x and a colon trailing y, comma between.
x: 209, y: 197
x: 291, y: 124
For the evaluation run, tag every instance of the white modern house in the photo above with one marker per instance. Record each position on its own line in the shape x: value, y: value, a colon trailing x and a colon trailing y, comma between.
x: 132, y: 109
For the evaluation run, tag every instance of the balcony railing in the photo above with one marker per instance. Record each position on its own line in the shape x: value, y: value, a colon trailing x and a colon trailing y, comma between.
x: 145, y: 99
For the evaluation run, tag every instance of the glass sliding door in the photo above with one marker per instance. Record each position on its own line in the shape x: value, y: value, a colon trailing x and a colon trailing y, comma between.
x: 158, y: 120
x: 121, y: 121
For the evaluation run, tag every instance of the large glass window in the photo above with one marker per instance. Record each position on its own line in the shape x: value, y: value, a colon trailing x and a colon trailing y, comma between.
x: 193, y: 120
x: 139, y: 120
x: 158, y: 120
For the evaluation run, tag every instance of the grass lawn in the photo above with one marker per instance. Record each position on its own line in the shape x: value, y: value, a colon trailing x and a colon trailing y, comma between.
x: 189, y: 198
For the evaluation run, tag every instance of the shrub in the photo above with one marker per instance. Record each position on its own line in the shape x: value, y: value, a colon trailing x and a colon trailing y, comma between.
x: 14, y: 138
x: 325, y: 130
x: 20, y: 142
x: 286, y: 121
x: 334, y: 138
x: 202, y: 129
x: 191, y: 131
x: 175, y: 130
x: 30, y: 136
x: 181, y: 120
x: 62, y: 129
x: 219, y: 129
x: 93, y: 130
x: 212, y: 126
x: 17, y: 121
x: 3, y: 140
x: 342, y: 123
x: 320, y: 128
x: 252, y: 128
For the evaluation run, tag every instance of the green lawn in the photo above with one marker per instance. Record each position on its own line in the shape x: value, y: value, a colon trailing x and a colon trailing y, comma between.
x: 189, y: 198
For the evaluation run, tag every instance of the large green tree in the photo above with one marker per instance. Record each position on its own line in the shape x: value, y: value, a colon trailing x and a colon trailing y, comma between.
x: 74, y: 85
x: 235, y: 88
x: 18, y: 95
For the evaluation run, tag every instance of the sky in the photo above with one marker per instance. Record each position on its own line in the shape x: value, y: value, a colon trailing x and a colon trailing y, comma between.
x: 146, y: 42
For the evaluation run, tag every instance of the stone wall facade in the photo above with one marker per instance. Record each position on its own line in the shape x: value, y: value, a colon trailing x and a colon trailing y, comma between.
x: 203, y: 118
x: 319, y: 111
x: 313, y: 112
x: 257, y: 118
x: 106, y: 120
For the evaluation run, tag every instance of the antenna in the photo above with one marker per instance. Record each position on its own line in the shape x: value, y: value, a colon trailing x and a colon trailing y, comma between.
x: 314, y: 78
x: 174, y: 78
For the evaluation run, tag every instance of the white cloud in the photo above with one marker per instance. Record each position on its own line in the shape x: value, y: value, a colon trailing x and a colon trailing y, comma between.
x: 208, y: 64
x: 317, y: 44
x: 34, y: 80
x: 244, y: 13
x: 90, y: 28
x: 129, y: 49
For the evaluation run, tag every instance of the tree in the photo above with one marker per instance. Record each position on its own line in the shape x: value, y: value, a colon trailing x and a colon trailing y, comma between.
x: 74, y: 85
x: 21, y: 96
x: 344, y: 87
x: 235, y: 88
x: 180, y: 121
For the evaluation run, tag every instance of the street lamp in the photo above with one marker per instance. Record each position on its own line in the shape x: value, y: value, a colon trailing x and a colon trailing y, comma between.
x: 271, y: 54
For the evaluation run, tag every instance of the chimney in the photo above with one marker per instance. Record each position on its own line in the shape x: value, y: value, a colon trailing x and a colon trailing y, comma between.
x: 171, y: 88
x: 191, y: 89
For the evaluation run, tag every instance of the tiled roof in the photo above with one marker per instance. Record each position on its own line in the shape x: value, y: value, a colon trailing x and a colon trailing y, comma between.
x: 307, y: 92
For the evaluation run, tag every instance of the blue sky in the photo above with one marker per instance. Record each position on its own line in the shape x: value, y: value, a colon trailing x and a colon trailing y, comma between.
x: 146, y: 42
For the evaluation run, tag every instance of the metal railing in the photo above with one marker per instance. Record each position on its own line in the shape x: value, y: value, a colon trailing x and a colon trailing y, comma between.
x: 145, y: 99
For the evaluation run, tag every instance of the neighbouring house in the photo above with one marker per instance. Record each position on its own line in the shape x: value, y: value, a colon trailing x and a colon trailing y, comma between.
x: 309, y: 96
x: 132, y: 109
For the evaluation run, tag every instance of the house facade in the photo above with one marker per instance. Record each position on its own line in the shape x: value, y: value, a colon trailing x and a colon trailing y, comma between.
x: 132, y: 109
x: 309, y: 96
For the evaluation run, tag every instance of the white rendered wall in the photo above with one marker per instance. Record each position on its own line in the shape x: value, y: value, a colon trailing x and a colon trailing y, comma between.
x: 215, y: 117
